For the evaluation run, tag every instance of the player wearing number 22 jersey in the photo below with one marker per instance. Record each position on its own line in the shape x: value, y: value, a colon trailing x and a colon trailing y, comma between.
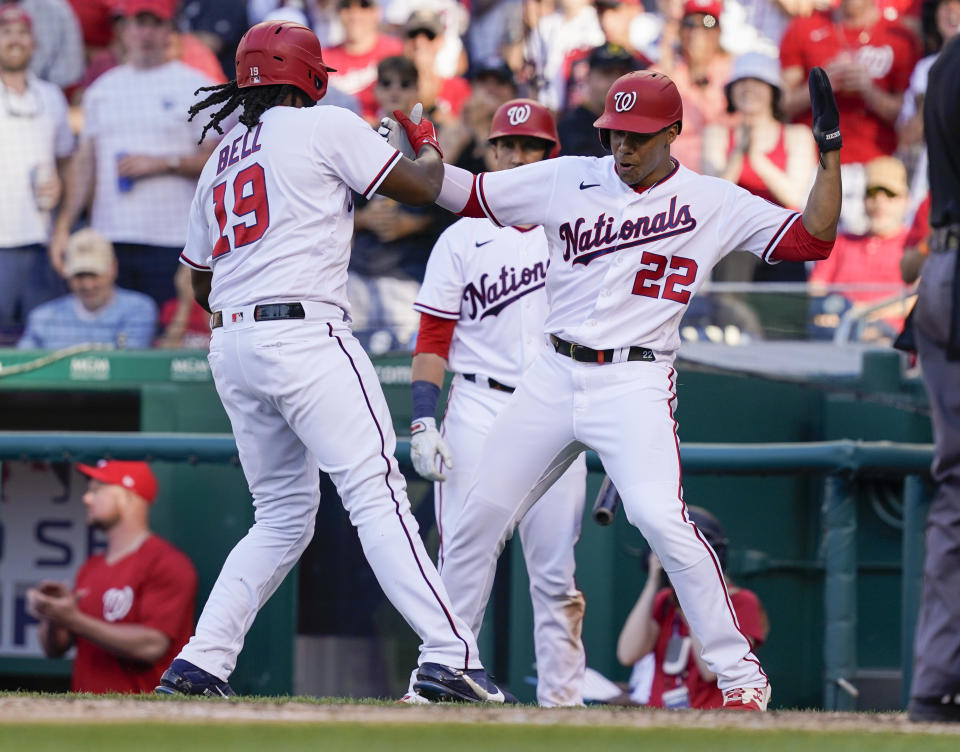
x: 268, y: 244
x: 631, y: 237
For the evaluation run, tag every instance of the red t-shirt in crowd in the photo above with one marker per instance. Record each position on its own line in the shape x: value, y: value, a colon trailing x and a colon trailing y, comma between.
x: 155, y: 586
x: 357, y: 74
x: 887, y: 49
x: 749, y: 179
x: 453, y: 93
x: 864, y: 260
x: 701, y: 694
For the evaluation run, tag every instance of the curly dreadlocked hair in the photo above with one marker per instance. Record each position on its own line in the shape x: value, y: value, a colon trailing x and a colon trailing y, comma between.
x: 255, y: 100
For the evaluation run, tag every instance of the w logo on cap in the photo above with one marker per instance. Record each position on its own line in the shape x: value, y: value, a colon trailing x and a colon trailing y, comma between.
x: 254, y: 74
x: 518, y: 114
x: 624, y: 100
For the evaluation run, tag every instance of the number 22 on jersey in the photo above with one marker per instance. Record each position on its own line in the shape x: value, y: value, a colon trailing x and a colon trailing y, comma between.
x: 647, y: 282
x: 249, y: 188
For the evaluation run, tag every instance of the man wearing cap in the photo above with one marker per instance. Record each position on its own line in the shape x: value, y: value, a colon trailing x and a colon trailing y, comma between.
x: 442, y: 96
x: 869, y: 60
x: 354, y: 61
x: 96, y: 310
x: 35, y: 146
x: 873, y: 258
x: 700, y: 69
x: 138, y: 156
x: 131, y: 608
x: 604, y: 64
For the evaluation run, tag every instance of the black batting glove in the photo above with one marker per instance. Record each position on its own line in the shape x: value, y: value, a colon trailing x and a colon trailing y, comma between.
x: 826, y: 117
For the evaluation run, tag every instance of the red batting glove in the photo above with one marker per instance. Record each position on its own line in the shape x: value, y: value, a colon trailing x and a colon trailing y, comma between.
x: 419, y: 133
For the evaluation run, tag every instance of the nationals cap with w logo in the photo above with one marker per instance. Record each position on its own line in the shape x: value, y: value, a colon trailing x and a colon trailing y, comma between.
x: 640, y: 102
x: 525, y: 117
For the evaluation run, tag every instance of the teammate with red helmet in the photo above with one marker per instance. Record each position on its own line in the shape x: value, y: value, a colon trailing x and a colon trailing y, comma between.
x: 482, y: 306
x: 268, y: 246
x: 631, y: 238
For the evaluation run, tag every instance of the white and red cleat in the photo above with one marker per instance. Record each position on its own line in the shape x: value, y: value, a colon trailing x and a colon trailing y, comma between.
x: 754, y: 699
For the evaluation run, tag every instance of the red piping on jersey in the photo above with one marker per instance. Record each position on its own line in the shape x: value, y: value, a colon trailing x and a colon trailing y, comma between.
x: 423, y: 308
x: 797, y: 244
x: 685, y: 517
x: 194, y: 265
x: 478, y: 183
x: 390, y: 163
x: 778, y: 235
x: 396, y: 503
x: 435, y: 335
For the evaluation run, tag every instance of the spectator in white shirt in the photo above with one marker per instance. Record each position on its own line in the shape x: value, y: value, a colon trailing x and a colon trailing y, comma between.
x: 138, y: 155
x: 35, y: 141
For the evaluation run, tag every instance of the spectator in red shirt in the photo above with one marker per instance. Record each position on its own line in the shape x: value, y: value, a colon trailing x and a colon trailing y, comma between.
x: 871, y: 260
x: 442, y: 97
x: 656, y: 635
x: 131, y: 609
x: 869, y: 60
x: 363, y: 47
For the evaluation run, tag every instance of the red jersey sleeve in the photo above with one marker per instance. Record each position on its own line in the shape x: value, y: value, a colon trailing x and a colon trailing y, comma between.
x: 168, y: 593
x: 435, y: 335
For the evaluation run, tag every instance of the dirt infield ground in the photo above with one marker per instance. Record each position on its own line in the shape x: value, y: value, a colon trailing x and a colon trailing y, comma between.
x: 32, y: 709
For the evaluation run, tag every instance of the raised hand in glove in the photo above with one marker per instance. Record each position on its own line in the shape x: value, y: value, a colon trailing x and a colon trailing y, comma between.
x: 425, y: 444
x: 418, y: 130
x: 826, y: 117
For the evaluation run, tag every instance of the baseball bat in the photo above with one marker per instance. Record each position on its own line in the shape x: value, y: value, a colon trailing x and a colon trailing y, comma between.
x: 605, y: 506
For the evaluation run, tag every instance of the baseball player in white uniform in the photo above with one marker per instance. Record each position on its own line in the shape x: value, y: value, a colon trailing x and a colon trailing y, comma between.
x: 631, y: 238
x: 482, y: 308
x: 268, y: 244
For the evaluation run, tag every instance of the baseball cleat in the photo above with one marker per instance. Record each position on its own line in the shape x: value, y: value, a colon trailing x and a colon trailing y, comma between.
x: 438, y: 683
x: 746, y: 698
x: 183, y: 678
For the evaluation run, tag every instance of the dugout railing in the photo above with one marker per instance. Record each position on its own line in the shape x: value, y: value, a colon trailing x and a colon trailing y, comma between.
x: 842, y: 463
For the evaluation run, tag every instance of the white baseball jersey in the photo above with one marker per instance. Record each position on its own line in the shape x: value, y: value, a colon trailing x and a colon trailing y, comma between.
x: 625, y: 262
x: 491, y: 281
x: 133, y: 111
x: 273, y: 212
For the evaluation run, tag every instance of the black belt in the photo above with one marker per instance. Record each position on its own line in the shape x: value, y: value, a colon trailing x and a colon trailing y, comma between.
x: 587, y: 355
x: 267, y: 312
x: 492, y: 383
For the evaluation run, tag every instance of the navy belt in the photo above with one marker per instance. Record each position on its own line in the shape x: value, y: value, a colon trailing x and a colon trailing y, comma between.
x: 585, y: 354
x: 492, y: 383
x: 267, y: 312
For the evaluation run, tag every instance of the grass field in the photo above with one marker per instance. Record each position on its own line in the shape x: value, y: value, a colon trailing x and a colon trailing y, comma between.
x: 31, y: 723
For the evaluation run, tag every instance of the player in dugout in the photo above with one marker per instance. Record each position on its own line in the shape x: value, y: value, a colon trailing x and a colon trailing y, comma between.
x: 631, y: 238
x: 131, y: 608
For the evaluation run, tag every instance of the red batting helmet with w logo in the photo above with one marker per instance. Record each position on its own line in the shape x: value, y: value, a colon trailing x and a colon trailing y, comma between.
x: 640, y: 102
x: 282, y: 52
x: 525, y: 117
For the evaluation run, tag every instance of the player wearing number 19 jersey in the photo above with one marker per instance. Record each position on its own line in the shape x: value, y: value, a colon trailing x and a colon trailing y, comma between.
x: 268, y: 243
x: 631, y: 237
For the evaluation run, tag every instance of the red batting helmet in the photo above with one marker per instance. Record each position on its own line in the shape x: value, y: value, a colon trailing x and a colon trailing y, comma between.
x: 640, y: 102
x: 525, y: 117
x: 282, y: 52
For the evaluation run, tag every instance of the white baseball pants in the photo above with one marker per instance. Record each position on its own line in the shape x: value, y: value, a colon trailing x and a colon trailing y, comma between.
x: 302, y: 396
x: 548, y: 534
x: 624, y: 412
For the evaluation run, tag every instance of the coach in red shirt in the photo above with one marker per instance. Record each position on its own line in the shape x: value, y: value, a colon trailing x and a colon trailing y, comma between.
x: 131, y: 609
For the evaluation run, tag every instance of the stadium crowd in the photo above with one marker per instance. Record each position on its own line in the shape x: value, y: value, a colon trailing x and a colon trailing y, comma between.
x: 94, y: 133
